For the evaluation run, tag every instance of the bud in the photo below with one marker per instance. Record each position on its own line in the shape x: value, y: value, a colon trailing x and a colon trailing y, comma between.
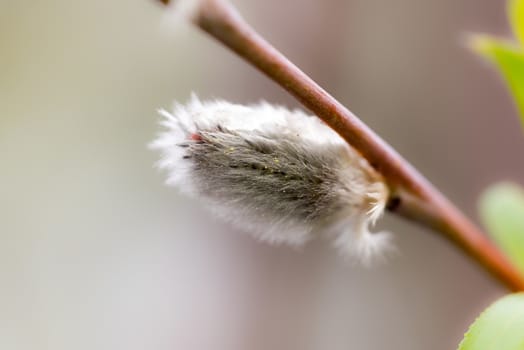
x: 281, y: 175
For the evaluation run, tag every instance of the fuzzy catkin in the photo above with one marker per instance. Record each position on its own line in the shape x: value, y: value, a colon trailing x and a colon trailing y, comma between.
x: 281, y: 175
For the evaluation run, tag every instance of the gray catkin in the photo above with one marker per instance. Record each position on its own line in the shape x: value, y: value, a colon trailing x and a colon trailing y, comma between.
x: 281, y: 175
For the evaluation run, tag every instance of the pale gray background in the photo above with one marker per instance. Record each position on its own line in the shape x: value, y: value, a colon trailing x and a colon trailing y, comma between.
x: 96, y: 253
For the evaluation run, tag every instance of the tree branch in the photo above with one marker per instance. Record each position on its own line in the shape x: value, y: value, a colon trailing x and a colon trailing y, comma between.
x: 413, y: 197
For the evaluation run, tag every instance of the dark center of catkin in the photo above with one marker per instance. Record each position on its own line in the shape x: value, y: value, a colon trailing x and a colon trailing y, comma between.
x: 271, y: 176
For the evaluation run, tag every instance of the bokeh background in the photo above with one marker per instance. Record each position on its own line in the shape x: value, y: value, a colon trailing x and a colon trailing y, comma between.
x: 96, y: 253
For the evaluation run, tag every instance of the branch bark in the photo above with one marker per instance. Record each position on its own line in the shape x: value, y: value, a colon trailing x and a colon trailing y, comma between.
x: 413, y: 197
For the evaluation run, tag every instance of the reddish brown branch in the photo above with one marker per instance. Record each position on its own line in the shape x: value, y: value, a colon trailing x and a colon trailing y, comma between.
x: 413, y: 196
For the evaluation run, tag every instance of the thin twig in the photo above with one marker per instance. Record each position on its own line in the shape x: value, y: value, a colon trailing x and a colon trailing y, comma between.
x: 413, y: 196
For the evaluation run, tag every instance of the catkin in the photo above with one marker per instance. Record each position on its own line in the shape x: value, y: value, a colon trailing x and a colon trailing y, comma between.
x: 280, y: 175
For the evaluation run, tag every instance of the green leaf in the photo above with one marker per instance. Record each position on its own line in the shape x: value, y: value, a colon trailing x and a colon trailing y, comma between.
x: 516, y: 18
x: 502, y: 211
x: 508, y: 58
x: 499, y: 327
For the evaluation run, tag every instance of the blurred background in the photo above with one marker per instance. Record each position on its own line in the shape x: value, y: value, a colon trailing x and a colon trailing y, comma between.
x: 96, y: 253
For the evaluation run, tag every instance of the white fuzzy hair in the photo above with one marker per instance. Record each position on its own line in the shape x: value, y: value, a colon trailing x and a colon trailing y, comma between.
x: 180, y: 15
x: 185, y: 9
x: 281, y: 175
